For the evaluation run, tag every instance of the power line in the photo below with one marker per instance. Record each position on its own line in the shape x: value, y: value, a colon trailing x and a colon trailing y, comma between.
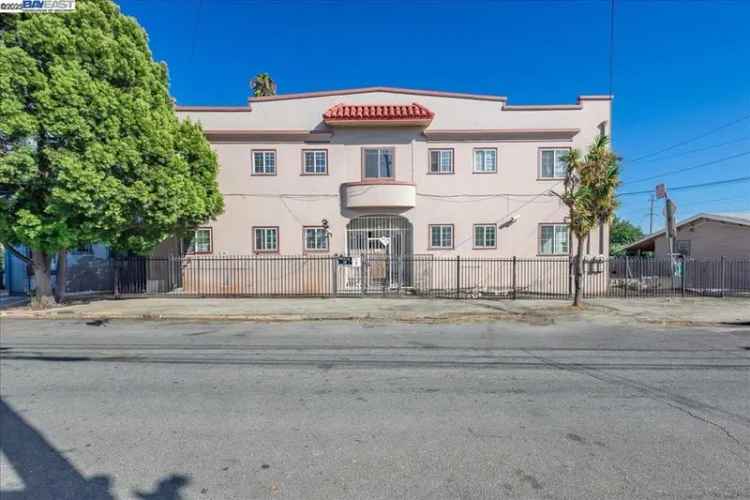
x: 697, y: 150
x: 692, y: 186
x: 692, y: 139
x: 700, y: 165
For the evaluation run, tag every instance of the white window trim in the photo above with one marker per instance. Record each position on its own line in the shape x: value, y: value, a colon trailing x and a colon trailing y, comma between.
x: 314, y: 153
x: 440, y: 152
x: 304, y: 239
x: 264, y: 152
x: 193, y: 241
x: 555, y: 250
x: 380, y: 150
x: 484, y: 171
x: 265, y: 239
x: 540, y: 169
x: 442, y: 228
x: 484, y: 244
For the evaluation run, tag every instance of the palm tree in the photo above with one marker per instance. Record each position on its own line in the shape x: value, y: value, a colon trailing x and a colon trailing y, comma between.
x: 263, y: 85
x: 589, y: 194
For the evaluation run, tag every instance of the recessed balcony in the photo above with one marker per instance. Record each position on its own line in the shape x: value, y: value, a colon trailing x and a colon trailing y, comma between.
x: 379, y: 195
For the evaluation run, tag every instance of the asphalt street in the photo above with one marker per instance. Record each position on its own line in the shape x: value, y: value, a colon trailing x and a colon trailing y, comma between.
x: 325, y: 410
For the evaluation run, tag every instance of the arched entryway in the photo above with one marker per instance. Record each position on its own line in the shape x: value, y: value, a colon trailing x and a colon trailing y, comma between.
x: 383, y: 244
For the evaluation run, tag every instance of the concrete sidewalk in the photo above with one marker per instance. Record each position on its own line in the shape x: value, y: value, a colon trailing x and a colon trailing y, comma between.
x: 666, y: 311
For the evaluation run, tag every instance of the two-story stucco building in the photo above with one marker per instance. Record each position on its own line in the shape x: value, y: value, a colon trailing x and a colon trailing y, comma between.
x: 397, y: 171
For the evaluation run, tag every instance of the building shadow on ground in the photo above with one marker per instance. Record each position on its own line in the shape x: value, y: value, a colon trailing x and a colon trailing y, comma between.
x: 47, y: 475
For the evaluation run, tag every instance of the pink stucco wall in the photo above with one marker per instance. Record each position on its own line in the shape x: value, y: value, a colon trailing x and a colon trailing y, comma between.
x: 290, y: 200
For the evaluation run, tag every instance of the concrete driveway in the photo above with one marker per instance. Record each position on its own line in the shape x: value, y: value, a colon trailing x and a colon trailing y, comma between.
x: 372, y: 410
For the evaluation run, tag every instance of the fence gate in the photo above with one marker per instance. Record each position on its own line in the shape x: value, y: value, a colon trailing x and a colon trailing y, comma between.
x: 381, y: 244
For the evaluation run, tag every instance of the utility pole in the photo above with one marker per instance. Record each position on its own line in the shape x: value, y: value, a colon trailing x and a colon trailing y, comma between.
x: 651, y: 215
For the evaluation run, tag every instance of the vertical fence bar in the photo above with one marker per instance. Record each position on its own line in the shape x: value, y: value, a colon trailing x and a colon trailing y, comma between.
x: 721, y: 273
x: 513, y: 278
x: 683, y: 271
x: 458, y: 276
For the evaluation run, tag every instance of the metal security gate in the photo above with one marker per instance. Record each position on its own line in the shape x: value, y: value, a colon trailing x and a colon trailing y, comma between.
x: 381, y: 246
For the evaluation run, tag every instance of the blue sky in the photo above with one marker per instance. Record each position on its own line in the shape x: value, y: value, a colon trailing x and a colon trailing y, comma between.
x: 681, y: 68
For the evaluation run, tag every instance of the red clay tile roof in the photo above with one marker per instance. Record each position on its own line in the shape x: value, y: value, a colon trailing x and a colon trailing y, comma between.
x: 356, y: 112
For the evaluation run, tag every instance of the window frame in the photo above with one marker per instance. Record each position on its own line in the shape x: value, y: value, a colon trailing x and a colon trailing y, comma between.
x: 474, y: 161
x: 316, y: 250
x: 540, y: 155
x: 304, y: 162
x: 255, y: 239
x: 441, y: 150
x: 87, y: 249
x: 554, y: 253
x: 264, y: 173
x: 376, y: 180
x: 453, y: 236
x: 191, y: 250
x: 474, y: 236
x: 677, y: 247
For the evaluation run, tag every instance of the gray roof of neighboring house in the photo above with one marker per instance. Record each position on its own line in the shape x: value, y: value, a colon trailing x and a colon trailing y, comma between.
x: 739, y: 218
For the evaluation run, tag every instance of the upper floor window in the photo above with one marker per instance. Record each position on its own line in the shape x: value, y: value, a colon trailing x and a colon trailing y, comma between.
x: 485, y: 236
x: 553, y: 239
x: 485, y: 160
x: 200, y: 241
x: 378, y: 163
x: 266, y: 239
x: 316, y: 238
x: 315, y: 162
x: 441, y: 235
x: 441, y: 161
x: 264, y: 162
x: 552, y: 163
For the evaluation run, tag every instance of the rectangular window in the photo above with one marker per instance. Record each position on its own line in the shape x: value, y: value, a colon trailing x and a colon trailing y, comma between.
x: 552, y: 163
x: 315, y: 162
x: 84, y: 250
x: 485, y: 160
x: 682, y: 247
x: 201, y: 241
x: 441, y: 161
x: 441, y: 235
x: 316, y: 239
x: 553, y: 239
x: 378, y: 163
x: 485, y: 236
x: 266, y: 239
x: 264, y: 162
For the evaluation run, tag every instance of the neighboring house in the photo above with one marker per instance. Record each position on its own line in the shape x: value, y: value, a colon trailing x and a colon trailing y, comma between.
x: 88, y: 270
x: 705, y: 235
x: 394, y: 171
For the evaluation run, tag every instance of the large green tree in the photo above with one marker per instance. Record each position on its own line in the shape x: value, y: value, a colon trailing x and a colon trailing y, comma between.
x: 591, y: 182
x: 91, y: 150
x: 621, y: 234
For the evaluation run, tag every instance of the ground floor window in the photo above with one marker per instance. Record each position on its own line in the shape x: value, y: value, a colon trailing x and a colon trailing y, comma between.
x: 441, y: 235
x: 201, y: 241
x: 682, y: 247
x: 266, y: 239
x: 485, y: 236
x: 316, y: 238
x: 553, y: 239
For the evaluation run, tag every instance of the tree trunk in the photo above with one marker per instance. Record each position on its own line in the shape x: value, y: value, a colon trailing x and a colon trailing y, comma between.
x: 62, y: 266
x: 42, y: 277
x: 578, y: 273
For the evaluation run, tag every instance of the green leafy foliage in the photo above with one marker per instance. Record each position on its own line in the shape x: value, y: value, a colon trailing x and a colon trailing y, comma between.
x: 591, y: 182
x: 621, y: 234
x: 91, y: 150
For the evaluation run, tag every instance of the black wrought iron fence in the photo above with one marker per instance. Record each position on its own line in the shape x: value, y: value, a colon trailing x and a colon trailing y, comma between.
x: 426, y: 275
